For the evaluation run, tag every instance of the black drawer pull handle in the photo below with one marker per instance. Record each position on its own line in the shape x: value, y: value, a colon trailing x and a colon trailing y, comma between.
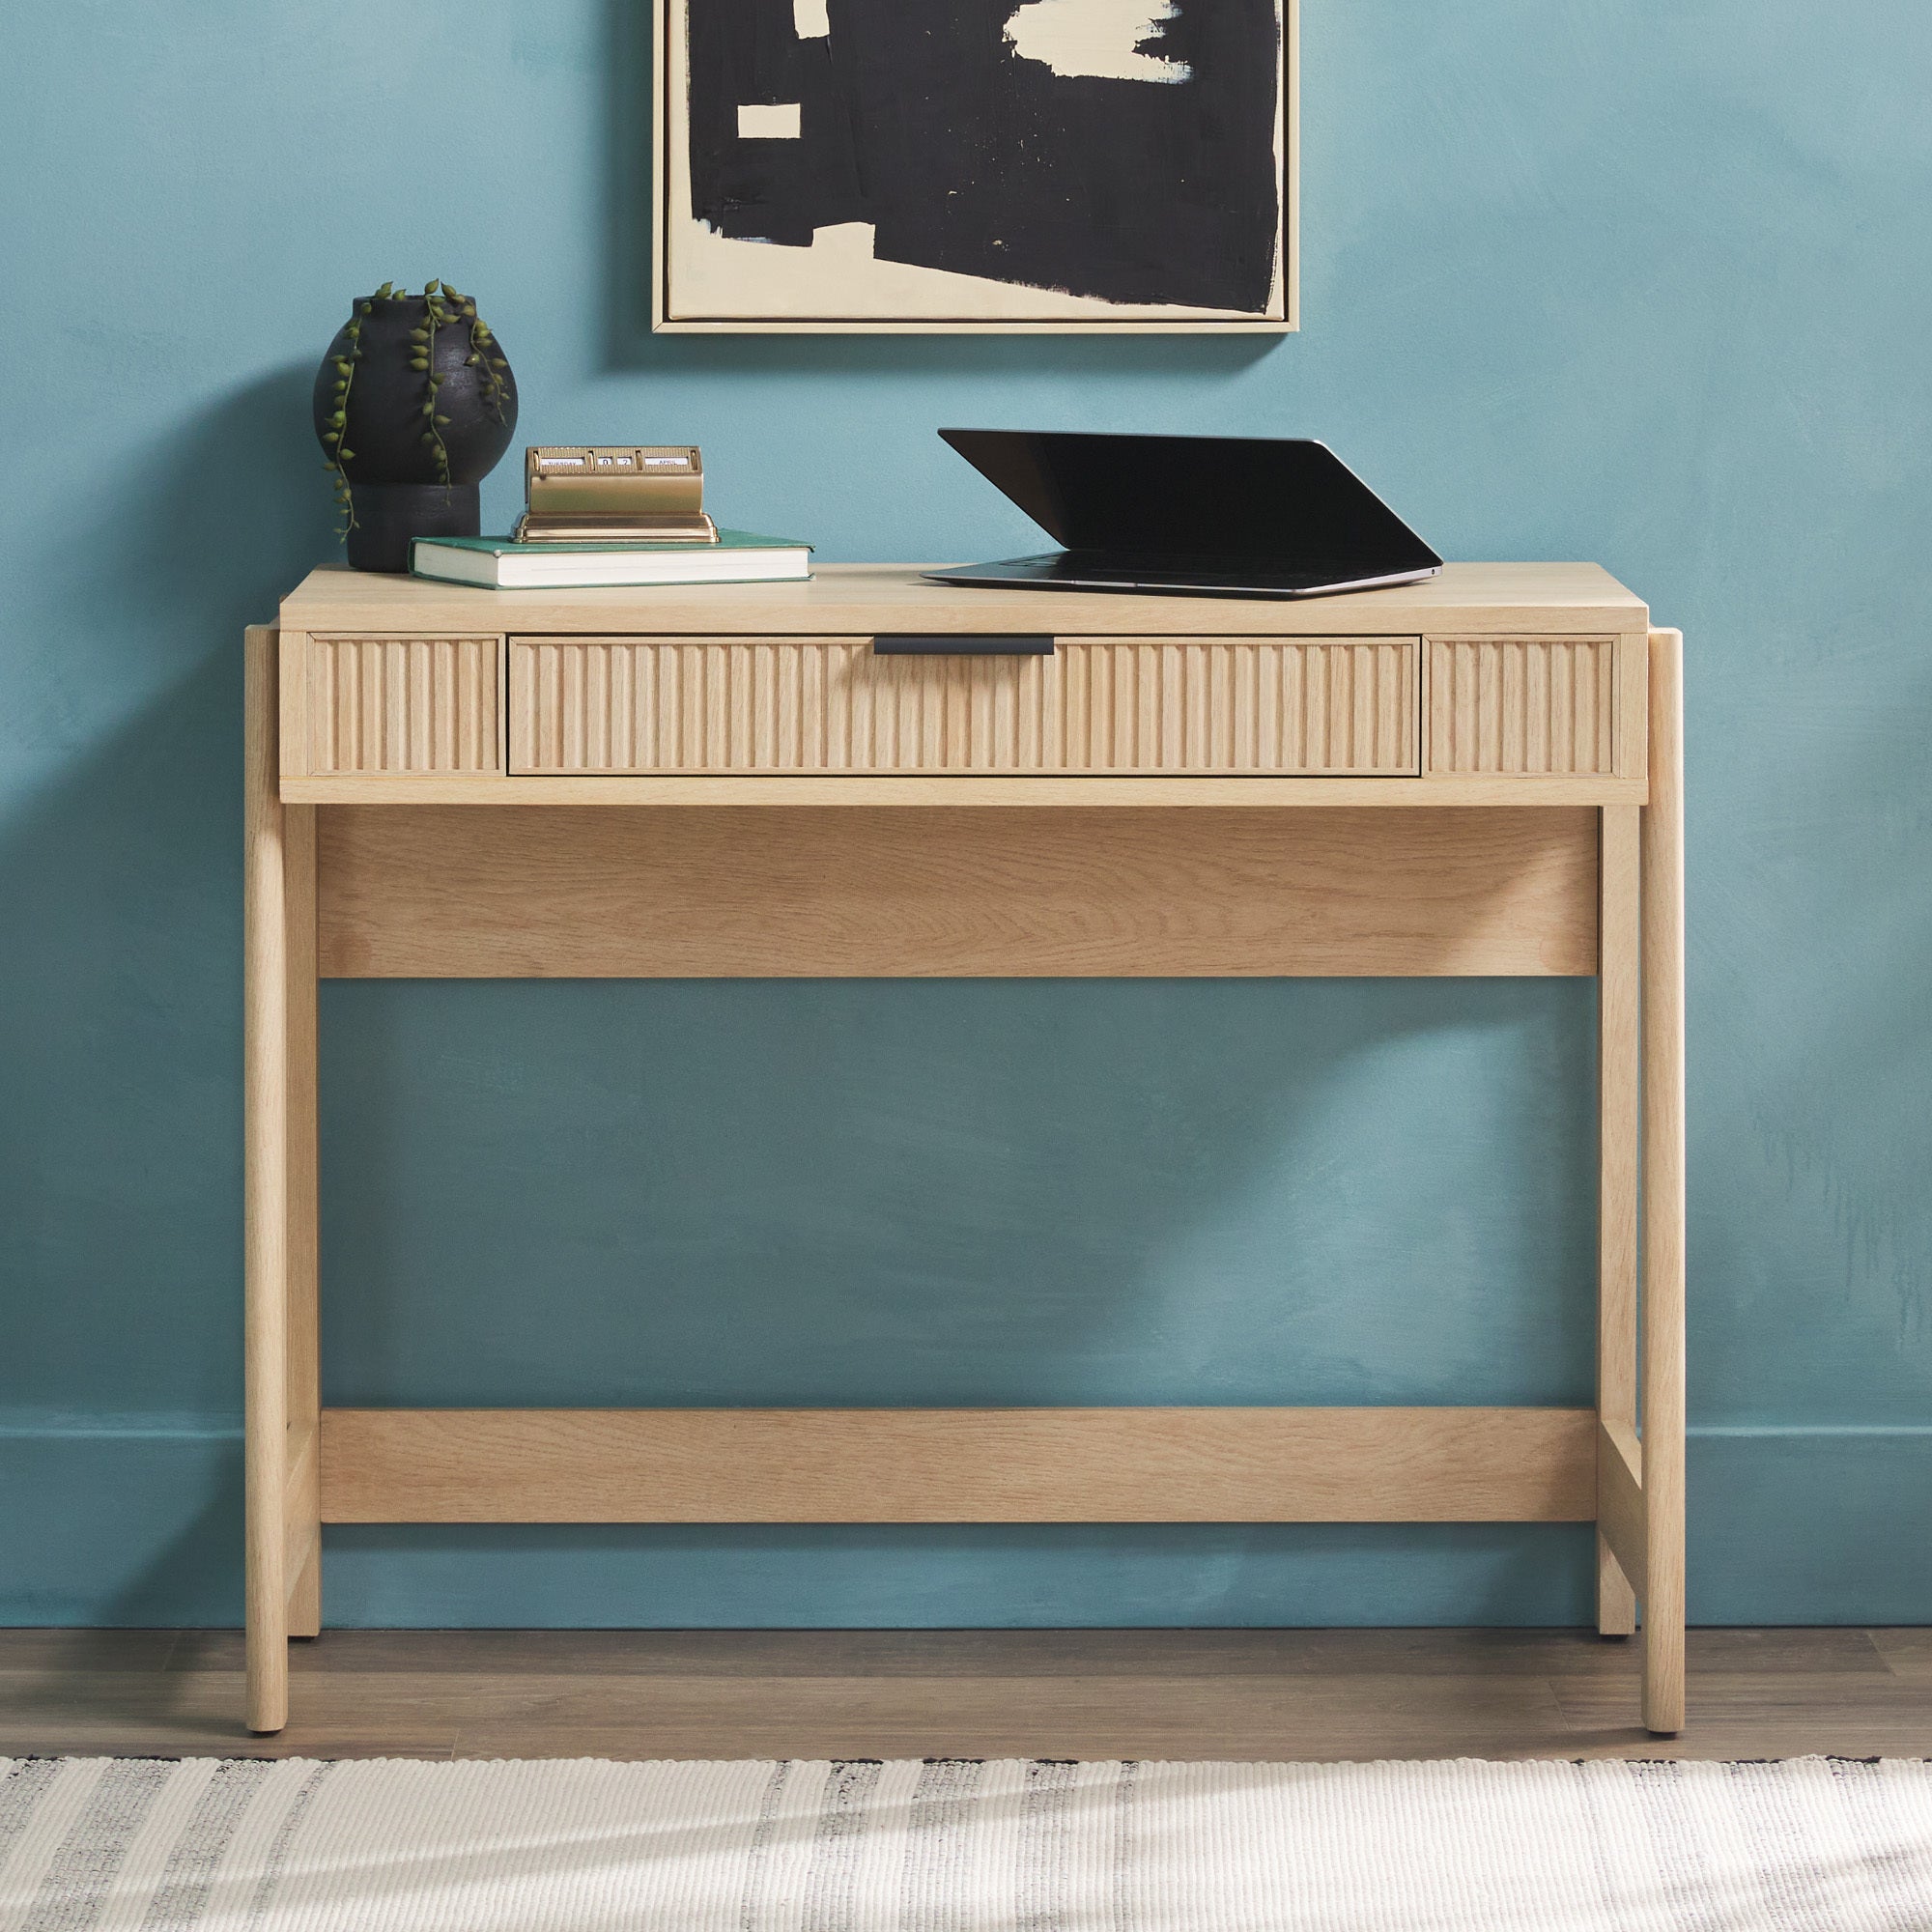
x: 962, y: 644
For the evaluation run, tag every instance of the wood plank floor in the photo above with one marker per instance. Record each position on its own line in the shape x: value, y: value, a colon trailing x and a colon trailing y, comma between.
x: 1304, y: 1694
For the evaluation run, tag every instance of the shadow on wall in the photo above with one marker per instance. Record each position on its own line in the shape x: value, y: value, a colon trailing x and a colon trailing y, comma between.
x: 629, y: 344
x: 122, y: 1527
x: 1818, y: 1054
x: 208, y: 530
x: 120, y: 1144
x: 196, y: 1564
x: 890, y: 1191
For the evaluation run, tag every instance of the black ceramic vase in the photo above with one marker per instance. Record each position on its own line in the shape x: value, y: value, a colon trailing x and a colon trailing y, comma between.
x: 400, y: 486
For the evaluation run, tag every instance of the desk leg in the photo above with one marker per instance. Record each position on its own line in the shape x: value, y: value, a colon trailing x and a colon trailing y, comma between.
x: 1663, y: 1192
x: 1619, y: 1047
x: 266, y: 1204
x: 303, y: 1499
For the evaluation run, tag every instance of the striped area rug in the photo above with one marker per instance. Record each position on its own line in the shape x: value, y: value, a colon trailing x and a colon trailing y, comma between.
x: 1812, y: 1845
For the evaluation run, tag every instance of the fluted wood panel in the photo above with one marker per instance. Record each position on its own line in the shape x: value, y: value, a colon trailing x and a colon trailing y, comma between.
x: 405, y: 704
x: 581, y: 705
x: 1528, y: 705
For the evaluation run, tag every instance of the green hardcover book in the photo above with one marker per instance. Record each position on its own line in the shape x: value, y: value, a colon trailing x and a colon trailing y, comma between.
x: 495, y: 563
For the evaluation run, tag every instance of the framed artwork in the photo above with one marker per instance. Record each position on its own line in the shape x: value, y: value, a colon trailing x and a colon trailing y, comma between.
x: 839, y: 166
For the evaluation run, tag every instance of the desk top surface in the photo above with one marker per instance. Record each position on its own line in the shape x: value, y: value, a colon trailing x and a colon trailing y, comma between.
x: 860, y: 598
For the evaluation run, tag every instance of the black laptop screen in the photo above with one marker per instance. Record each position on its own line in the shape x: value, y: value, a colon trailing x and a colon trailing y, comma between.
x: 1290, y: 504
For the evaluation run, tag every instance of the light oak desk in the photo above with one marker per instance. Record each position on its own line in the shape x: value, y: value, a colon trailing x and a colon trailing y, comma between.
x: 1476, y: 776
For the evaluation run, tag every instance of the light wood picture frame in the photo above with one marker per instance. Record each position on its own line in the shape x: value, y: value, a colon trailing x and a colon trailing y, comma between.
x: 849, y: 167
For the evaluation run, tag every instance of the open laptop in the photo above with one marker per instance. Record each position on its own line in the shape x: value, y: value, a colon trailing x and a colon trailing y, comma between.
x: 1217, y: 515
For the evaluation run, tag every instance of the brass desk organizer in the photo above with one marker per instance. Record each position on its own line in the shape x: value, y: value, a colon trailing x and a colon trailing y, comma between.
x: 607, y: 494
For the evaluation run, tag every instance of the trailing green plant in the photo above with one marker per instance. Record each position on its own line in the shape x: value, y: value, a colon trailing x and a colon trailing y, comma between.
x: 444, y: 307
x: 337, y: 452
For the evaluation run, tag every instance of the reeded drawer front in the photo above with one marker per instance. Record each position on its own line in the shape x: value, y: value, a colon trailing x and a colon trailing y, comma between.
x: 1307, y: 705
x: 1536, y: 706
x: 404, y: 705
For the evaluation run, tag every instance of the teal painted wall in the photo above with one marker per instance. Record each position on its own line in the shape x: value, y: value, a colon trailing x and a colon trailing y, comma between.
x: 1645, y: 284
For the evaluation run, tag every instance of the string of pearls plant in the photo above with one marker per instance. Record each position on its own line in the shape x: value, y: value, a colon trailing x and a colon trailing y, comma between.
x: 444, y: 307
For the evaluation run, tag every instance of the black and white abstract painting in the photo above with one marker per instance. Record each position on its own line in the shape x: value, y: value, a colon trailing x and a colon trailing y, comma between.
x: 975, y: 163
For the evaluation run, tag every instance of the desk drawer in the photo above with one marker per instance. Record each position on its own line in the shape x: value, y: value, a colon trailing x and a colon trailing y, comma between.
x: 1309, y: 705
